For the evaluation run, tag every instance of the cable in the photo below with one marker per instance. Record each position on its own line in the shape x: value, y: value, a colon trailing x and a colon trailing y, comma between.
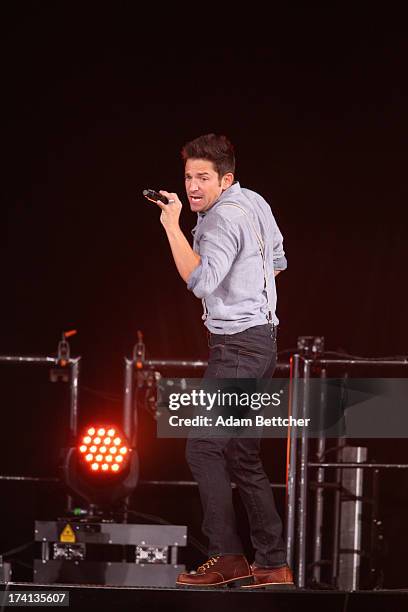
x: 18, y: 549
x: 22, y: 563
x: 112, y: 397
x: 290, y: 350
x: 333, y: 449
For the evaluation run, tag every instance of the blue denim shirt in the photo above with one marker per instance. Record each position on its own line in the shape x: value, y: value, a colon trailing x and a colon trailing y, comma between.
x: 230, y: 278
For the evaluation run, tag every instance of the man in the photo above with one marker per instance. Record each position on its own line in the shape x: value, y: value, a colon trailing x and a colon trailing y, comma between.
x: 237, y: 252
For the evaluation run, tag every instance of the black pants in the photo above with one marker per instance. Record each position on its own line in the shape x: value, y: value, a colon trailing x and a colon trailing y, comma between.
x: 215, y: 462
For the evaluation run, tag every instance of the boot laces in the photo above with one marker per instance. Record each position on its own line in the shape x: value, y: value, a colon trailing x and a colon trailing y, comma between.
x: 205, y: 566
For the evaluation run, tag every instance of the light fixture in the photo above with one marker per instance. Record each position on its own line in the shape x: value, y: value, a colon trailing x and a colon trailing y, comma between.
x: 102, y: 467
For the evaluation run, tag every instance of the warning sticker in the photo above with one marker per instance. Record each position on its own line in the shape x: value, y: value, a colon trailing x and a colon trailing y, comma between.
x: 67, y: 534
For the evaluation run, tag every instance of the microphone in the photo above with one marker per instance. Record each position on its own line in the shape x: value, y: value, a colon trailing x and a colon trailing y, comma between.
x: 155, y: 196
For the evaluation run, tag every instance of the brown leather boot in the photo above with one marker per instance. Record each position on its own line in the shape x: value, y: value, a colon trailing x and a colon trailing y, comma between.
x: 219, y: 571
x: 271, y: 578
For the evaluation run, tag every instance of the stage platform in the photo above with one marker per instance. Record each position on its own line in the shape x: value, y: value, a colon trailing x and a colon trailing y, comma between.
x: 146, y: 599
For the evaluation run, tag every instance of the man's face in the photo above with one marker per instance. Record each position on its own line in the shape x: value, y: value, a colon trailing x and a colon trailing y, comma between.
x: 203, y: 185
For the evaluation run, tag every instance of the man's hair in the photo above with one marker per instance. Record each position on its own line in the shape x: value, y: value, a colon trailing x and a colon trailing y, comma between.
x: 216, y: 148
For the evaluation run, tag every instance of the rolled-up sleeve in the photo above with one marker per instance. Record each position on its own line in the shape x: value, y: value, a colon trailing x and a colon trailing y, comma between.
x: 218, y: 248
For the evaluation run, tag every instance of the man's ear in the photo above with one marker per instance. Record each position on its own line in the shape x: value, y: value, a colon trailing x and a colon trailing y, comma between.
x: 227, y: 180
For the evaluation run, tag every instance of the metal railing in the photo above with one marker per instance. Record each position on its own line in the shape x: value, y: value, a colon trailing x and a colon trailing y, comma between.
x: 298, y: 458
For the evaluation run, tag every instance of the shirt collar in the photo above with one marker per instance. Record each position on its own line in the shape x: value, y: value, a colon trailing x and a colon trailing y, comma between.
x: 231, y: 191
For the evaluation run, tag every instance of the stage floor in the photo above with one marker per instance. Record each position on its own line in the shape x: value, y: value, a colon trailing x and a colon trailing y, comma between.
x: 91, y: 597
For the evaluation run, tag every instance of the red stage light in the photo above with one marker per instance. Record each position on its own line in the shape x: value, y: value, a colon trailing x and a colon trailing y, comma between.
x: 101, y: 467
x: 104, y: 455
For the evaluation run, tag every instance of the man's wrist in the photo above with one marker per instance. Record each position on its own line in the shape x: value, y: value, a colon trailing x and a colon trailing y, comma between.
x: 173, y: 232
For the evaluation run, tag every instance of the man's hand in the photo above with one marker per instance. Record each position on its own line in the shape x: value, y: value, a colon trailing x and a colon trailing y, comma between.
x: 185, y: 258
x: 170, y: 212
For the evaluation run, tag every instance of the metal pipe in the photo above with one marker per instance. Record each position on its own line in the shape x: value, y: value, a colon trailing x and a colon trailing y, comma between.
x: 45, y: 551
x: 179, y: 363
x: 336, y: 516
x: 291, y: 463
x: 128, y: 400
x: 350, y: 464
x: 29, y: 478
x: 319, y: 497
x: 154, y: 483
x: 303, y: 477
x: 351, y: 527
x: 374, y: 532
x: 192, y: 483
x: 27, y: 359
x: 73, y: 421
x: 318, y: 361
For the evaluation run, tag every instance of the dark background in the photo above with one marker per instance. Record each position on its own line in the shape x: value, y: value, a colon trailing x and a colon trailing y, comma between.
x: 97, y: 102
